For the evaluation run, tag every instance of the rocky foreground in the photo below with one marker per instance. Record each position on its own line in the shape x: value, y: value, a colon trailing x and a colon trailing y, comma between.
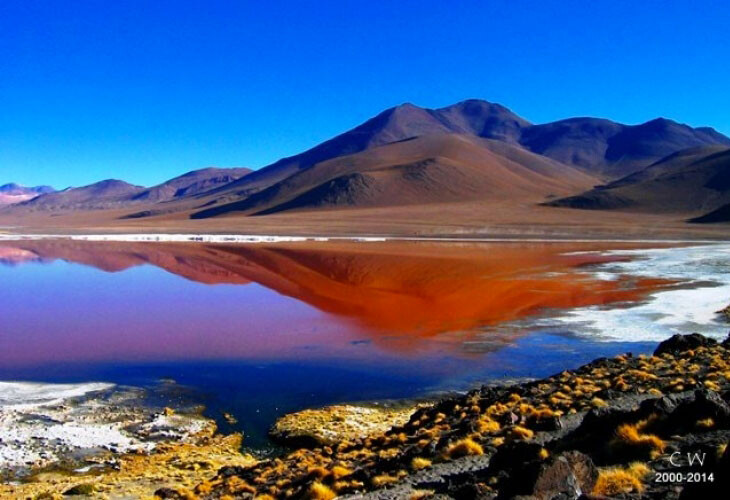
x: 607, y: 429
x: 627, y: 427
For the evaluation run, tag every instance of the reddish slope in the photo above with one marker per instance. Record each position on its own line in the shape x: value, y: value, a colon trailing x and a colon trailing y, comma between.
x: 429, y: 169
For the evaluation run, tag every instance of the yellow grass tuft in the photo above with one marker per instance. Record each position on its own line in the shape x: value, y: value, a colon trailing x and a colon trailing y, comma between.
x: 639, y: 470
x: 486, y: 424
x: 419, y: 463
x: 498, y: 441
x: 598, y: 403
x: 319, y: 491
x: 617, y: 481
x: 339, y: 471
x: 721, y: 450
x: 237, y: 485
x: 421, y: 494
x: 463, y: 448
x: 519, y: 432
x: 544, y: 413
x: 655, y: 392
x: 705, y: 423
x: 543, y: 454
x: 382, y: 480
x: 630, y: 436
x: 642, y: 375
x: 204, y: 488
x: 711, y: 385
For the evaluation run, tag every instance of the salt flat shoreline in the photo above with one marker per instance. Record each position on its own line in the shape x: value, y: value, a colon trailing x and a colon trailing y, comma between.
x: 254, y: 238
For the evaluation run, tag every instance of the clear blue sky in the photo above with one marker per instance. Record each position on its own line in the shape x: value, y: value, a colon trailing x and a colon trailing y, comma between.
x: 145, y: 90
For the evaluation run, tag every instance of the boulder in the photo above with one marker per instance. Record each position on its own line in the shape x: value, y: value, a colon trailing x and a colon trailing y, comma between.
x: 565, y: 476
x: 680, y: 343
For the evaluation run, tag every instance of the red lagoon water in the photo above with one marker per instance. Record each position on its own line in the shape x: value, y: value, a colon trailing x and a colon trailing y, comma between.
x: 81, y: 302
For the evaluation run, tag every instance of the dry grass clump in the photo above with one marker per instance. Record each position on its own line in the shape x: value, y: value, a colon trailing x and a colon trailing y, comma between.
x: 382, y: 480
x: 339, y: 471
x: 519, y: 432
x: 421, y: 494
x: 486, y: 424
x: 419, y: 463
x: 642, y: 375
x: 598, y: 403
x: 319, y: 491
x: 616, y: 480
x: 497, y: 442
x: 721, y: 450
x: 711, y: 385
x: 630, y: 438
x: 705, y: 423
x: 235, y: 484
x: 463, y: 448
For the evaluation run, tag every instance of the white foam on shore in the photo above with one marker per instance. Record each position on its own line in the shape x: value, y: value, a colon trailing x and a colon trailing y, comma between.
x: 25, y: 395
x: 704, y: 272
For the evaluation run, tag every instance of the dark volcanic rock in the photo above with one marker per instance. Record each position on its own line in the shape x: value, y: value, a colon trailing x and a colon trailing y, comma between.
x: 680, y: 343
x: 170, y: 493
x: 566, y: 476
x: 80, y: 489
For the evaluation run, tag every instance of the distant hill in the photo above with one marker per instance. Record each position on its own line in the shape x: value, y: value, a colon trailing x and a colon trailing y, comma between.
x: 691, y: 181
x: 114, y: 194
x: 15, y: 193
x: 428, y: 169
x: 101, y: 195
x: 612, y: 149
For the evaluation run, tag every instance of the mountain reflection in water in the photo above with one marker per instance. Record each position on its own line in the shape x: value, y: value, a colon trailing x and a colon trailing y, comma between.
x: 400, y: 296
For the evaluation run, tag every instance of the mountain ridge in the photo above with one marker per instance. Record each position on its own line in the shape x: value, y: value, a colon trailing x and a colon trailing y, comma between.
x: 601, y: 149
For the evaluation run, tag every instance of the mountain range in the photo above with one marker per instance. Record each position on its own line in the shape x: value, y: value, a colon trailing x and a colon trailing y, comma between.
x: 14, y: 193
x: 472, y: 151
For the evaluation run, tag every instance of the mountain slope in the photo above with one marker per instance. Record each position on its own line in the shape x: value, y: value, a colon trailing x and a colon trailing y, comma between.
x: 693, y: 181
x: 428, y: 169
x: 599, y: 147
x: 192, y: 183
x: 402, y: 122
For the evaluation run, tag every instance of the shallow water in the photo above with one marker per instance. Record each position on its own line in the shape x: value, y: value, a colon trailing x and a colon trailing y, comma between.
x: 258, y: 330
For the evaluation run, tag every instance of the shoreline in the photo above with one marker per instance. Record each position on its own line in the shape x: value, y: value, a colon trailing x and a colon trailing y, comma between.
x: 255, y: 238
x: 604, y: 428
